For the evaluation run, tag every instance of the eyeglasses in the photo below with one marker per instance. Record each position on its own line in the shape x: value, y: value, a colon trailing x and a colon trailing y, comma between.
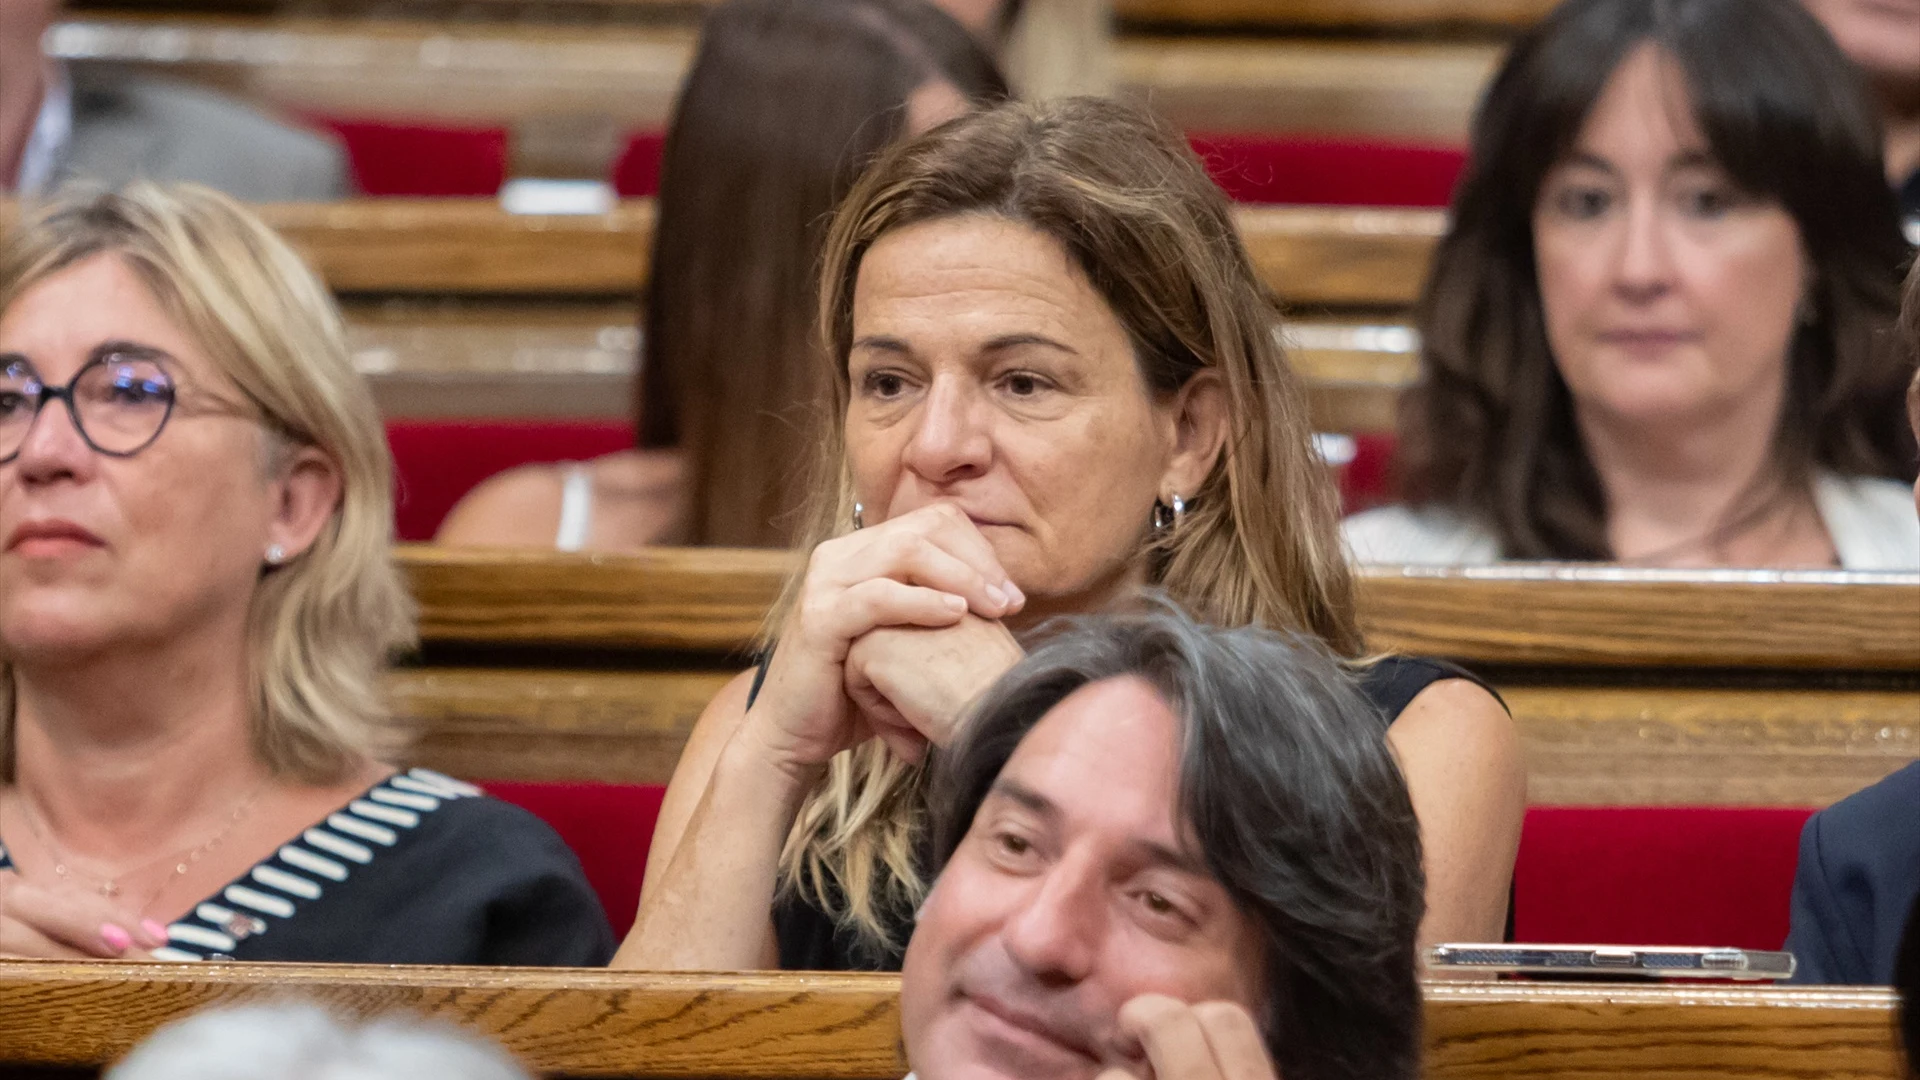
x: 118, y: 403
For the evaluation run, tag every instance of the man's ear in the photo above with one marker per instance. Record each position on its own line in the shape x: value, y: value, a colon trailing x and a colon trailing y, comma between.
x: 306, y: 492
x: 1199, y: 435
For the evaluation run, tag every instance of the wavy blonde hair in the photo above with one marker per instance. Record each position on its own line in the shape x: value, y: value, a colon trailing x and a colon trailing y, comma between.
x: 1123, y: 194
x: 321, y: 627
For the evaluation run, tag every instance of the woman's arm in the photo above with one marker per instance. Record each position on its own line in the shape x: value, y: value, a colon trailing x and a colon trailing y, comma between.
x: 740, y: 847
x: 1461, y: 757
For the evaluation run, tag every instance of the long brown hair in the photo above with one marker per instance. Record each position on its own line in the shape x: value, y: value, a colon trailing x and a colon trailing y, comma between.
x: 1490, y: 430
x: 787, y: 100
x: 1126, y: 197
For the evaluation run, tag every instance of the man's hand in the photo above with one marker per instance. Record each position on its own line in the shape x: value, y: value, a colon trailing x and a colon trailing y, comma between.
x: 1214, y: 1040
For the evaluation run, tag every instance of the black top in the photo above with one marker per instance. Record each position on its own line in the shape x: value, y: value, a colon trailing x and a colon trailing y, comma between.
x: 420, y: 869
x: 811, y: 941
x: 1858, y: 876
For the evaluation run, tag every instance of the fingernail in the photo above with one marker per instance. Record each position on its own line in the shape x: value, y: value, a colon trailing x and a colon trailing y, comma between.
x: 115, y: 938
x: 155, y: 931
x: 956, y: 603
x: 1014, y: 592
x: 998, y: 595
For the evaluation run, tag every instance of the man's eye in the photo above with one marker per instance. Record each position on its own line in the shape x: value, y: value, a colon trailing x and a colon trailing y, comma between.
x: 1023, y: 384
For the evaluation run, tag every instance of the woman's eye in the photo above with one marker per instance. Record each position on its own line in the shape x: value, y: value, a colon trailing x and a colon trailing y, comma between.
x: 1708, y: 202
x: 884, y: 384
x: 1582, y: 203
x: 1013, y: 845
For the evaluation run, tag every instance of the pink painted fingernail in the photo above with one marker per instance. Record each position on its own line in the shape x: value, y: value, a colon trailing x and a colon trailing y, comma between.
x: 155, y: 931
x: 115, y: 938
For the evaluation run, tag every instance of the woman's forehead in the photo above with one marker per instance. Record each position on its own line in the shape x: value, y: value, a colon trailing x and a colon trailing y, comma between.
x: 62, y: 320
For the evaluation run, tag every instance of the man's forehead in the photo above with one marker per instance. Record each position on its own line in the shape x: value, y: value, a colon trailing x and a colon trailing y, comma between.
x: 1106, y: 757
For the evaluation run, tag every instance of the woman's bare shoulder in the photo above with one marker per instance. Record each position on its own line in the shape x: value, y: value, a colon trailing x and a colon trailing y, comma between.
x: 516, y: 508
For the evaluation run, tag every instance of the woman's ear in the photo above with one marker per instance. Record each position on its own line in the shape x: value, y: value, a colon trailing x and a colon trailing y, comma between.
x: 306, y: 492
x: 1199, y: 435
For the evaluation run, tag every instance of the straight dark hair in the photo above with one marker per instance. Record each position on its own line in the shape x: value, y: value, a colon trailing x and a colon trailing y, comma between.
x: 1490, y: 431
x: 786, y: 102
x: 1295, y: 802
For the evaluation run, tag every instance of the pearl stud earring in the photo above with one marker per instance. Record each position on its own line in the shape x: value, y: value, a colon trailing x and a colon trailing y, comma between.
x: 276, y: 554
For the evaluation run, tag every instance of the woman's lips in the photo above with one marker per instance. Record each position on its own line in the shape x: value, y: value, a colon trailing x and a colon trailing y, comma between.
x: 51, y: 538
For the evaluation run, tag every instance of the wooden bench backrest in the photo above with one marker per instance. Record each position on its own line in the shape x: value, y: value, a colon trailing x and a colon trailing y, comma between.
x: 633, y: 1024
x: 1629, y: 687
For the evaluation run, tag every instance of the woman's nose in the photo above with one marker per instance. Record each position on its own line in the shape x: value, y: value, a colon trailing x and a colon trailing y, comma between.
x: 1643, y: 258
x: 952, y: 440
x: 53, y: 446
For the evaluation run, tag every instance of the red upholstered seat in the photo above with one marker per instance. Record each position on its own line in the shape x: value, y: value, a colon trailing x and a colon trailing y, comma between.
x: 1330, y: 172
x: 608, y: 826
x: 1633, y: 875
x: 1367, y: 480
x: 437, y: 461
x: 422, y: 161
x: 636, y: 174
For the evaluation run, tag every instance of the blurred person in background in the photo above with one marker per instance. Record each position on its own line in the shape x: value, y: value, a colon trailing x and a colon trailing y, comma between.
x: 304, y: 1042
x: 1883, y: 38
x: 1056, y: 379
x: 1658, y: 331
x: 786, y: 101
x: 198, y: 601
x: 110, y: 126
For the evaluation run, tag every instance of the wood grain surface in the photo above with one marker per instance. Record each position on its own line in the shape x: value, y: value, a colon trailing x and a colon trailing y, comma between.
x: 710, y: 599
x: 714, y: 599
x: 635, y: 1024
x: 1311, y: 257
x: 538, y: 68
x: 1584, y: 745
x: 1655, y: 619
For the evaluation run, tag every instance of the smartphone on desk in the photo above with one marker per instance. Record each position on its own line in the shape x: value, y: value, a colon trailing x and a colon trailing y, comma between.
x: 1612, y: 961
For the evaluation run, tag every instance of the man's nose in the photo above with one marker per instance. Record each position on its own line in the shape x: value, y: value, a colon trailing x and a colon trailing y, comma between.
x: 1056, y: 932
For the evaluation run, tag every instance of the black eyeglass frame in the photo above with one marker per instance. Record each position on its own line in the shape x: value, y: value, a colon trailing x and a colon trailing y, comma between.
x: 64, y: 393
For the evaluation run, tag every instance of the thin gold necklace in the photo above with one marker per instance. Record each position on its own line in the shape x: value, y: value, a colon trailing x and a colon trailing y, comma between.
x: 110, y: 887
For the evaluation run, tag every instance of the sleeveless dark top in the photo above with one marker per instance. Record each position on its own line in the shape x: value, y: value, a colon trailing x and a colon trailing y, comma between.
x: 810, y: 940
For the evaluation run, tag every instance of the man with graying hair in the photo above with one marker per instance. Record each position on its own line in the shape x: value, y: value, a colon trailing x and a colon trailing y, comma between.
x: 1173, y: 851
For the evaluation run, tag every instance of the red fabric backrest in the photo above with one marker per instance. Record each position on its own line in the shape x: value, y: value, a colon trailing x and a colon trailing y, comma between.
x: 437, y: 461
x: 636, y: 174
x: 608, y: 826
x: 1367, y: 480
x: 1330, y: 172
x: 421, y: 160
x: 1638, y: 875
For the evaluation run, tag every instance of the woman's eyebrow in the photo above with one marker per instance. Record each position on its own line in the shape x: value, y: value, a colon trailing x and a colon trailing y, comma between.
x: 883, y: 343
x: 131, y: 350
x: 1014, y: 341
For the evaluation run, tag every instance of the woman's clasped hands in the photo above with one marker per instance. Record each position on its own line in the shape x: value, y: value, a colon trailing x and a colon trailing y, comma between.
x: 898, y: 627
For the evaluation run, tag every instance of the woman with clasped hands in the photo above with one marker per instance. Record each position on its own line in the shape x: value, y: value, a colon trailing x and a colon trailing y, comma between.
x: 197, y: 600
x: 1057, y: 381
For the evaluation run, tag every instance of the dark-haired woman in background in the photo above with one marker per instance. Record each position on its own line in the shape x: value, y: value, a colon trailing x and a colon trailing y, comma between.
x: 786, y: 101
x: 1659, y: 331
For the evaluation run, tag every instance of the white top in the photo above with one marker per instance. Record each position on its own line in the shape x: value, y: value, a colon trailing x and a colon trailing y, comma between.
x: 576, y: 506
x: 52, y: 131
x: 1871, y: 522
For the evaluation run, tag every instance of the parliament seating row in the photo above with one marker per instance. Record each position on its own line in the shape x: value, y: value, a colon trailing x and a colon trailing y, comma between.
x: 846, y: 1027
x: 566, y: 90
x: 1678, y: 727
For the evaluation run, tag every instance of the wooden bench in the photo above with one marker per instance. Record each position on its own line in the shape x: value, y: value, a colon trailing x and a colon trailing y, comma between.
x: 846, y: 1027
x: 590, y: 71
x: 1637, y: 687
x: 457, y: 308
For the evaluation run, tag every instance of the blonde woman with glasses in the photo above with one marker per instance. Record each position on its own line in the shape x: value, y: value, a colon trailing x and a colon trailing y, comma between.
x: 197, y: 602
